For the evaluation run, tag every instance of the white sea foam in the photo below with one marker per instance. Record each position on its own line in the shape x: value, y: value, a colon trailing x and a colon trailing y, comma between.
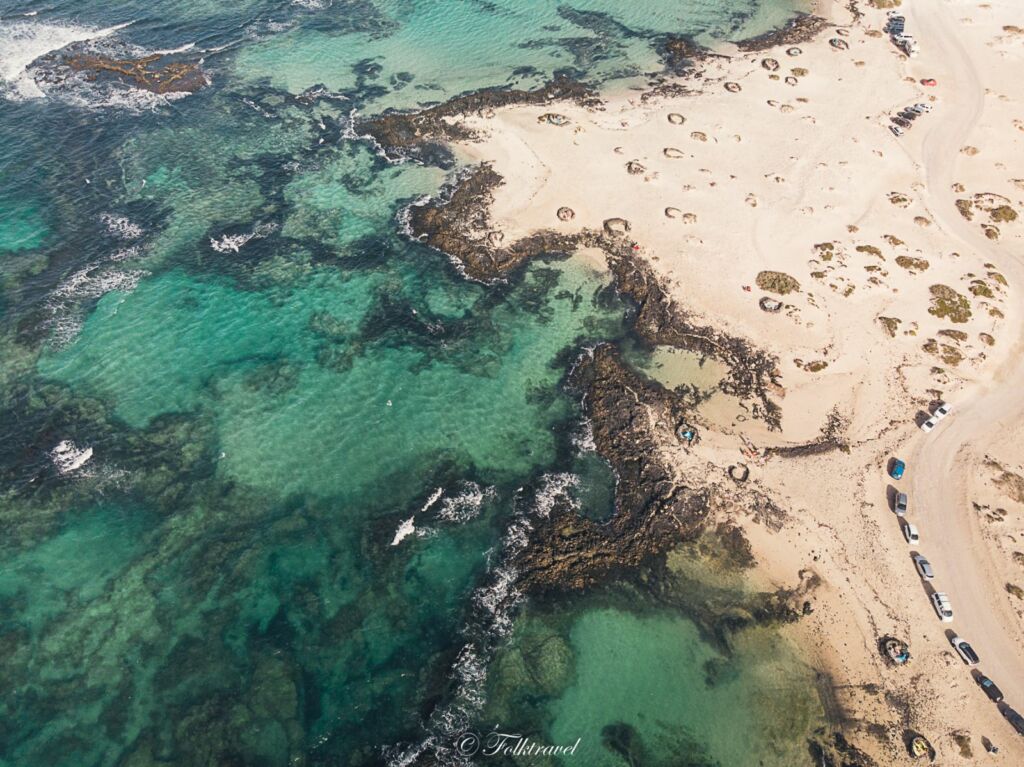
x: 23, y: 42
x: 313, y: 5
x: 232, y: 243
x: 68, y: 457
x: 121, y: 227
x: 90, y: 283
x: 466, y: 504
x: 555, y: 488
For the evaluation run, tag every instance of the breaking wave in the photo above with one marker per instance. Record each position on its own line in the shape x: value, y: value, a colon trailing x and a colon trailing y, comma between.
x: 232, y: 243
x: 68, y: 457
x: 24, y: 42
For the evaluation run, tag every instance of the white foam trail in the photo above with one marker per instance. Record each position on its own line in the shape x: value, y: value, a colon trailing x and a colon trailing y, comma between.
x: 68, y: 457
x: 172, y: 51
x: 22, y: 42
x: 404, y: 530
x: 232, y: 243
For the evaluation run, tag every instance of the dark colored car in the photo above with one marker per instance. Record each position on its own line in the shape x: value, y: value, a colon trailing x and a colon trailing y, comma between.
x: 994, y: 693
x: 1015, y: 719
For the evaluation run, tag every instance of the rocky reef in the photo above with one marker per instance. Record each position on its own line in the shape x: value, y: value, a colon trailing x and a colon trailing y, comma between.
x: 155, y: 73
x: 653, y: 510
x: 412, y: 134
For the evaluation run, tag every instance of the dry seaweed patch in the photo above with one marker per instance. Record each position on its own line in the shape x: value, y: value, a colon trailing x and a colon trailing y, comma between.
x: 912, y: 264
x: 777, y: 282
x: 948, y: 304
x: 1015, y: 590
x: 992, y: 232
x: 987, y: 339
x: 997, y: 277
x: 893, y: 240
x: 871, y: 249
x: 965, y: 208
x: 898, y: 198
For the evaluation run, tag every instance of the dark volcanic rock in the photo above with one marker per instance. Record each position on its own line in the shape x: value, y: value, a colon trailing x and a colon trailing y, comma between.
x: 653, y: 512
x: 457, y: 223
x: 799, y: 29
x: 404, y: 133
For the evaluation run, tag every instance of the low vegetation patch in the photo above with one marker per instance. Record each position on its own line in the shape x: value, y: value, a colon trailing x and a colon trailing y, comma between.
x: 912, y: 264
x: 966, y: 208
x: 870, y: 249
x: 1015, y: 590
x: 956, y: 335
x: 891, y: 325
x: 1003, y: 214
x: 948, y: 304
x: 777, y: 282
x: 980, y: 288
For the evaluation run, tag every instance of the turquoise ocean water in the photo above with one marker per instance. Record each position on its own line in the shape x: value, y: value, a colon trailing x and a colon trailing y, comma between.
x: 264, y: 461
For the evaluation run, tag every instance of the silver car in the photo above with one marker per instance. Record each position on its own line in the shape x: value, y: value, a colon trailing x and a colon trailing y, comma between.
x: 924, y: 567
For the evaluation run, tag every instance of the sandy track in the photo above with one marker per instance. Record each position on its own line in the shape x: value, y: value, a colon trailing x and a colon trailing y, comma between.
x: 942, y: 461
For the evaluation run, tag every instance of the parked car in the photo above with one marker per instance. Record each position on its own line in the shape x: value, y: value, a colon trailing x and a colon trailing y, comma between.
x: 900, y: 507
x: 965, y: 651
x: 924, y: 567
x: 896, y: 130
x: 923, y: 107
x: 911, y: 534
x: 943, y: 607
x: 897, y: 469
x: 993, y: 692
x: 930, y: 424
x: 901, y: 122
x: 906, y: 114
x: 929, y: 81
x: 1015, y: 719
x: 942, y: 410
x: 915, y: 109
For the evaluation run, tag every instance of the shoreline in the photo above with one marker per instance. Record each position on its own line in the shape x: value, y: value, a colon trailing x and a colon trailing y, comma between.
x: 843, y: 416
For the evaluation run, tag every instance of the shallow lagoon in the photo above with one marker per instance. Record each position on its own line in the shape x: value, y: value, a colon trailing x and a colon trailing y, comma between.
x: 214, y: 298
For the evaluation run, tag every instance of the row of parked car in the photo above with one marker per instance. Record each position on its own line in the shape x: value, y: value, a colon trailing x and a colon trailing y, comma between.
x: 940, y: 600
x: 906, y: 116
x: 896, y: 27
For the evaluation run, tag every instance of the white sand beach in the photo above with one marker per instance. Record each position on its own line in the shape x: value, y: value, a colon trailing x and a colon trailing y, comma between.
x: 897, y: 259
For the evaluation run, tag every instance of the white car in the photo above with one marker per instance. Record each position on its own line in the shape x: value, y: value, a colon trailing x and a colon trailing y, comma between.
x: 924, y: 567
x: 942, y: 606
x: 896, y: 130
x: 938, y: 414
x: 911, y: 534
x: 923, y: 107
x: 965, y: 651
